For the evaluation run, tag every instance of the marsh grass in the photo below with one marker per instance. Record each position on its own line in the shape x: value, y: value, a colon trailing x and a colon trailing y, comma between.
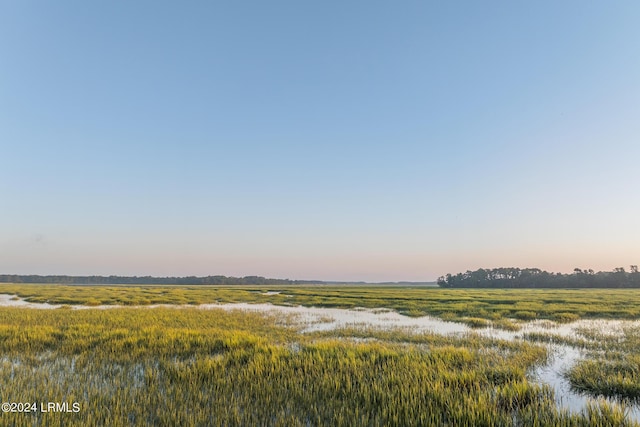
x: 191, y: 367
x: 506, y: 324
x: 613, y: 368
x: 618, y: 378
x: 547, y: 337
x: 476, y: 322
x: 559, y: 305
x: 186, y: 366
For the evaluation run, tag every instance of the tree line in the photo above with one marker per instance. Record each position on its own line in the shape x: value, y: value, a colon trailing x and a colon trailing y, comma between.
x: 149, y: 280
x: 511, y: 277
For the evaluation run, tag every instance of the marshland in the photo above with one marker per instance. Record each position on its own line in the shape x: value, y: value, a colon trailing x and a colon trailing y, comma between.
x: 319, y: 355
x: 319, y: 213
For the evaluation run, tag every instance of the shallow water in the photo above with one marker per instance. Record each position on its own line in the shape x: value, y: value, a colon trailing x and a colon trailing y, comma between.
x: 325, y: 319
x: 562, y: 358
x: 14, y: 301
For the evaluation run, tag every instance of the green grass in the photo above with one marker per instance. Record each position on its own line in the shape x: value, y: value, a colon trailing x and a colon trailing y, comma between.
x: 186, y: 366
x: 613, y: 368
x: 191, y: 367
x: 476, y: 322
x: 619, y: 378
x: 454, y: 304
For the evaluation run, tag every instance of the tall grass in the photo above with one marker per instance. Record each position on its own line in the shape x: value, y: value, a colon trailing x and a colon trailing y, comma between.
x: 193, y: 367
x: 613, y: 369
x: 455, y: 304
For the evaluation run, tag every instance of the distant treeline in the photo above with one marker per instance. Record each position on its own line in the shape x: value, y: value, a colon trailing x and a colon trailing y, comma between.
x: 149, y: 280
x: 536, y: 278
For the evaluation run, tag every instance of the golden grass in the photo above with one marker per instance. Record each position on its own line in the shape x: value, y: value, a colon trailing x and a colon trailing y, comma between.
x: 191, y: 367
x: 453, y: 304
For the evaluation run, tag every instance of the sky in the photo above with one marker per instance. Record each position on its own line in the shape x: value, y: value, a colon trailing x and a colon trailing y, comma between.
x: 333, y: 140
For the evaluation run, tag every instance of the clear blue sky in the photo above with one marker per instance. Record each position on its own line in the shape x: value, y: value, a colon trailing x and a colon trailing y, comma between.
x: 331, y: 140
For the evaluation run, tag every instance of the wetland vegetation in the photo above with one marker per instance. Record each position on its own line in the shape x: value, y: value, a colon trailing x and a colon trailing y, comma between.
x: 613, y: 366
x: 495, y: 305
x: 189, y: 366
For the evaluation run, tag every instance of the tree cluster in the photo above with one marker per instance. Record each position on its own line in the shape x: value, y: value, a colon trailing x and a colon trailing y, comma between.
x: 149, y: 280
x: 512, y: 277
